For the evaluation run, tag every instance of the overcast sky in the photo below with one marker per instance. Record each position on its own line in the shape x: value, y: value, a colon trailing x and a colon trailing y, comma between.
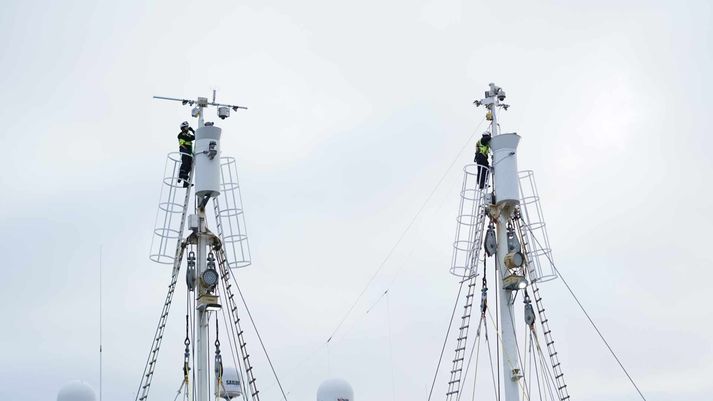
x: 356, y: 110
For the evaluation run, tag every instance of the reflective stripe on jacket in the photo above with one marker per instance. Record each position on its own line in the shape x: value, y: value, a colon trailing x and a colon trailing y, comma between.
x: 185, y: 140
x: 482, y: 149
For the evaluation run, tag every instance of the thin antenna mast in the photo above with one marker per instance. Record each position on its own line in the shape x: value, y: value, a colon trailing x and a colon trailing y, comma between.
x: 101, y: 350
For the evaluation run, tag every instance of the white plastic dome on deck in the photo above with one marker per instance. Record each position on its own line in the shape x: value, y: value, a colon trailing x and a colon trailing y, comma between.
x: 335, y: 390
x: 76, y: 390
x: 232, y: 387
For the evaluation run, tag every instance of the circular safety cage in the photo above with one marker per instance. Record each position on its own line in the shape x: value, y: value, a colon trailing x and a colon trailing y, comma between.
x: 534, y: 229
x: 229, y: 215
x: 470, y: 221
x: 167, y: 226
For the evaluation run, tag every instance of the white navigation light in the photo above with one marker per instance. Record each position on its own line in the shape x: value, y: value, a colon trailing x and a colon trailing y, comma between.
x: 335, y: 390
x: 232, y: 387
x: 76, y: 390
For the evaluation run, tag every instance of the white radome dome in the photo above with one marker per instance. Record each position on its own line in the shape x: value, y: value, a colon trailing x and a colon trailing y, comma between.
x: 335, y: 390
x: 76, y: 390
x: 232, y: 388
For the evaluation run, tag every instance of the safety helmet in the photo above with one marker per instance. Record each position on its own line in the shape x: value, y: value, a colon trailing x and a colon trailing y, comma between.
x: 184, y: 125
x: 486, y: 134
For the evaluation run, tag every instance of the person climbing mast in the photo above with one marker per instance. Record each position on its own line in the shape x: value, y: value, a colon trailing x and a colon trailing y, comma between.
x: 185, y: 147
x: 482, y: 149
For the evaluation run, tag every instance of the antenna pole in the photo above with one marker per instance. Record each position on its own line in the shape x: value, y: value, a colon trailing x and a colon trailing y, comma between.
x: 100, y: 324
x: 202, y: 341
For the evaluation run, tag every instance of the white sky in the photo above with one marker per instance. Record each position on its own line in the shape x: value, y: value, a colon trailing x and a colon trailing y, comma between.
x: 356, y: 110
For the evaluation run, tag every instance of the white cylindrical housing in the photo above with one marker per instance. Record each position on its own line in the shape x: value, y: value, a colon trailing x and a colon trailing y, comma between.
x: 335, y: 390
x: 505, y: 177
x: 207, y: 161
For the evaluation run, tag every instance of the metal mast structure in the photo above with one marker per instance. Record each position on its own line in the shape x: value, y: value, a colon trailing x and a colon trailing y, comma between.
x: 209, y: 255
x: 506, y: 220
x: 507, y: 197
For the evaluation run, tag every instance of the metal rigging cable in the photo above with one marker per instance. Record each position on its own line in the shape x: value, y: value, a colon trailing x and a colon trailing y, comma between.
x: 445, y: 340
x: 403, y: 234
x: 232, y: 343
x: 259, y: 337
x: 601, y: 336
x: 311, y: 355
x: 490, y: 358
x: 483, y: 308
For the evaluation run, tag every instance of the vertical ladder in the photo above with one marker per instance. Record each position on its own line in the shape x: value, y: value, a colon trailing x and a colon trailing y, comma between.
x: 144, y: 386
x: 546, y: 331
x: 225, y: 275
x: 218, y: 224
x: 454, y: 383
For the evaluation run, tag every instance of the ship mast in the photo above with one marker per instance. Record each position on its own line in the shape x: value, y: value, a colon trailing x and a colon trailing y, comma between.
x: 507, y: 198
x: 203, y: 276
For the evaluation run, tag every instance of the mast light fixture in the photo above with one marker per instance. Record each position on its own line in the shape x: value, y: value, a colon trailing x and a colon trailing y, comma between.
x: 209, y: 278
x: 514, y: 282
x: 513, y: 260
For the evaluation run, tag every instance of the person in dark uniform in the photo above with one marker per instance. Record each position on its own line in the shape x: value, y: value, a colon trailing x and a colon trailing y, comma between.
x: 185, y: 147
x: 482, y: 150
